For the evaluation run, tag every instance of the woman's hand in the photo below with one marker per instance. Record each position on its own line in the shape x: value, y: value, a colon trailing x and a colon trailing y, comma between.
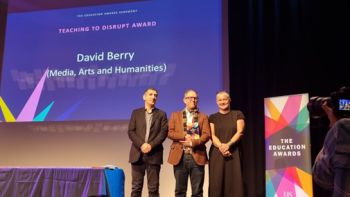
x: 224, y: 149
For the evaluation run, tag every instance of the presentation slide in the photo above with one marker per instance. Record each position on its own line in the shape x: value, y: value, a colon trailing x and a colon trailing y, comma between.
x: 94, y: 62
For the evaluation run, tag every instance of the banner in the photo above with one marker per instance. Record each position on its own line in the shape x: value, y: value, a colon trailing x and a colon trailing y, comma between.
x: 287, y: 146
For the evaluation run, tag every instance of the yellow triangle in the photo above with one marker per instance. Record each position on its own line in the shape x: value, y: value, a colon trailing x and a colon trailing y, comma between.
x: 6, y: 111
x: 305, y: 181
x: 275, y: 114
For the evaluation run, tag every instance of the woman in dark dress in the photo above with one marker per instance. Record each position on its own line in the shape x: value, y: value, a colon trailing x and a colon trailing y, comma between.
x: 225, y: 176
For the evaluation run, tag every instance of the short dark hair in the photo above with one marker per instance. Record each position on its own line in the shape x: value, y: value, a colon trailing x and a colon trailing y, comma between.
x: 150, y: 88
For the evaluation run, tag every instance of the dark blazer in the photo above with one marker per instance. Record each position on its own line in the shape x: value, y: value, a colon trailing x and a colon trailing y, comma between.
x: 157, y: 135
x: 177, y: 133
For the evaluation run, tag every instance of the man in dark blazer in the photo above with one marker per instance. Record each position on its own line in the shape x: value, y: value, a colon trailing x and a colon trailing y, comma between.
x: 147, y: 131
x: 189, y: 129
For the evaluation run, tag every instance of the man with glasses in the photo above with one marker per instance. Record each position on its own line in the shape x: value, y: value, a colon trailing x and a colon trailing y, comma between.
x: 189, y: 129
x: 148, y: 128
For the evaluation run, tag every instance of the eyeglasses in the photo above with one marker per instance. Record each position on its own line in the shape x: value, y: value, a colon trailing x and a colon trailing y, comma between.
x: 192, y: 98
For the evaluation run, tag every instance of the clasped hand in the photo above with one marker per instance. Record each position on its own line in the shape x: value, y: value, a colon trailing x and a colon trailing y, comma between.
x: 146, y: 148
x: 188, y: 141
x: 224, y: 149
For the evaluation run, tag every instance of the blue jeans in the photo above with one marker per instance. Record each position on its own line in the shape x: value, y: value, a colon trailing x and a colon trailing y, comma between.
x: 188, y: 167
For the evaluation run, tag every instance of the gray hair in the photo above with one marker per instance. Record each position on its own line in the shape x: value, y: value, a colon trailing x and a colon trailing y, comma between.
x: 223, y: 93
x: 190, y: 90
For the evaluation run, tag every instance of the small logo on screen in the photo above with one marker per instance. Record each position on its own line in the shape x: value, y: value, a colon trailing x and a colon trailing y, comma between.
x: 344, y: 104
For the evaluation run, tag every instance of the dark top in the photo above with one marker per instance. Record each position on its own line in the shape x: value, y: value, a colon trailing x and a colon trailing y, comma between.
x: 331, y: 169
x: 225, y: 124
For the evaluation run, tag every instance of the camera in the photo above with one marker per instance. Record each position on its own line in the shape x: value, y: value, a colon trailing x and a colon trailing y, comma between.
x: 338, y: 100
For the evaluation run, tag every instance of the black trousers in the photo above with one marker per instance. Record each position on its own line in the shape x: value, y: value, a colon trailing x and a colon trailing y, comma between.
x: 138, y: 171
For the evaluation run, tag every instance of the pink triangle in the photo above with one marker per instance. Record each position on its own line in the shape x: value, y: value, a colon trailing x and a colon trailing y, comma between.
x: 28, y: 111
x: 292, y: 175
x: 286, y: 188
x: 291, y: 108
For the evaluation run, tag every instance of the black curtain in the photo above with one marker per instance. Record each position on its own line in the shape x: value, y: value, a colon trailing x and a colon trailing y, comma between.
x: 282, y: 47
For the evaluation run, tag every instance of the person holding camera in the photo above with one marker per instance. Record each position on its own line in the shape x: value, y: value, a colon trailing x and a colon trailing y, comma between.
x: 331, y: 170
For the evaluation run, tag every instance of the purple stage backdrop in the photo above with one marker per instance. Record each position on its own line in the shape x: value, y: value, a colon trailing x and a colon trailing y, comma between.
x: 94, y: 62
